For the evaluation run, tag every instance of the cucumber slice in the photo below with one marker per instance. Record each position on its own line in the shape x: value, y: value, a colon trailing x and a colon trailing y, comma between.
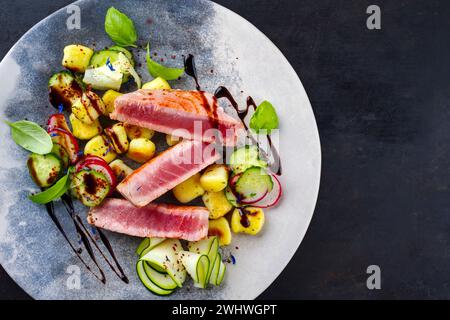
x: 145, y: 246
x: 99, y: 59
x: 209, y: 247
x: 162, y: 280
x: 221, y: 273
x: 59, y: 151
x: 142, y: 246
x: 63, y: 89
x: 153, y: 242
x: 244, y: 158
x: 253, y: 184
x: 197, y: 266
x: 232, y: 198
x: 165, y: 257
x: 90, y: 187
x: 140, y: 269
x: 44, y: 169
x: 215, y: 269
x: 218, y: 272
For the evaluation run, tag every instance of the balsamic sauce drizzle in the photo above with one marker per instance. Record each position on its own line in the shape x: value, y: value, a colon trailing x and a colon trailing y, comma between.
x: 223, y: 92
x: 189, y: 68
x: 51, y: 212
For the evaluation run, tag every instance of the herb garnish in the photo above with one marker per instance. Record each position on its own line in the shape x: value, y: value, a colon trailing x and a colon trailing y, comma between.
x: 54, y: 192
x: 158, y: 70
x: 120, y: 28
x: 264, y: 118
x: 31, y: 136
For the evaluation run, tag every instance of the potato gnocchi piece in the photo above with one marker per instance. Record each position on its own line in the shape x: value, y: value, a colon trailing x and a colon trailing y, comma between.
x: 215, y: 178
x: 217, y: 204
x: 100, y: 146
x: 120, y: 169
x: 189, y: 189
x: 108, y: 99
x: 76, y: 57
x: 141, y: 150
x: 135, y: 132
x: 82, y: 130
x: 251, y: 221
x: 118, y: 138
x: 220, y: 228
x: 172, y: 140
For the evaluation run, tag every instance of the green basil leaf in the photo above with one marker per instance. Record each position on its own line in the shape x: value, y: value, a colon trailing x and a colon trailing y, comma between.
x: 54, y: 192
x: 120, y: 28
x: 264, y: 118
x: 158, y: 70
x: 31, y: 136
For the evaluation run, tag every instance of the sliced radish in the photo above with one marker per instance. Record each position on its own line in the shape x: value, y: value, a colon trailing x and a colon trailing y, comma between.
x: 234, y: 179
x: 89, y: 158
x: 57, y: 121
x: 273, y: 197
x: 68, y: 141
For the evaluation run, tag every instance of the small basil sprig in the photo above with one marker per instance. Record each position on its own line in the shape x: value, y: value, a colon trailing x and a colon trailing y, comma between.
x: 120, y: 28
x: 158, y: 70
x: 264, y: 118
x: 54, y: 192
x: 30, y: 136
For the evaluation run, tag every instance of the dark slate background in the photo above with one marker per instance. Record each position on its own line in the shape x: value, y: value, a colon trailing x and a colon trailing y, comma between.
x: 381, y: 103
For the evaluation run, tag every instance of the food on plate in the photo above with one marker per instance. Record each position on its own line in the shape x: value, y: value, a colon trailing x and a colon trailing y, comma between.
x: 215, y: 178
x: 187, y: 114
x: 135, y: 132
x: 84, y: 131
x: 248, y: 220
x: 153, y: 220
x: 118, y: 138
x: 89, y: 107
x: 120, y: 169
x: 67, y: 141
x: 90, y: 187
x: 157, y: 84
x: 165, y: 171
x: 141, y: 150
x: 108, y: 99
x: 217, y: 204
x: 221, y: 229
x: 64, y: 90
x: 100, y: 146
x: 44, y: 169
x: 77, y: 57
x: 179, y: 240
x: 172, y: 140
x: 189, y: 189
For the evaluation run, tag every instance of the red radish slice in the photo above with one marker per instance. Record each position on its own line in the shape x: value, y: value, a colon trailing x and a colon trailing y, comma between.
x: 234, y: 179
x: 94, y: 158
x: 57, y: 121
x: 99, y: 165
x: 68, y: 141
x: 89, y: 158
x: 273, y: 197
